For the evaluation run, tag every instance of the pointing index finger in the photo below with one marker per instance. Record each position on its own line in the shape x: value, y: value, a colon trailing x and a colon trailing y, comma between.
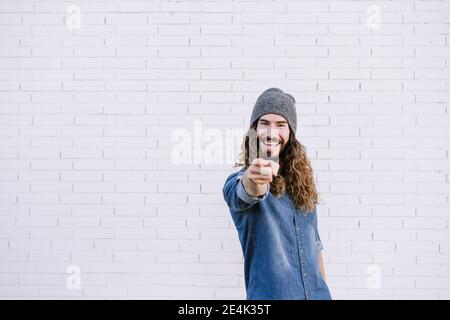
x: 260, y: 162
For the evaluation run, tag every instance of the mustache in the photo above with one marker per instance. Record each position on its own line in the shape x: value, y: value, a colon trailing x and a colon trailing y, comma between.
x: 269, y: 139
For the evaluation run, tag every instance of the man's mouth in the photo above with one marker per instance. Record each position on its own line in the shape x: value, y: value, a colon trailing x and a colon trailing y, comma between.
x: 271, y: 143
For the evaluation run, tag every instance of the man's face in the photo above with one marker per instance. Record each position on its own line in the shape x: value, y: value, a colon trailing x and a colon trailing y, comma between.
x: 273, y: 133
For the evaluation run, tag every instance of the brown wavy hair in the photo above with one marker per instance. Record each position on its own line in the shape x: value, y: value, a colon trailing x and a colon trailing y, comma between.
x: 295, y: 175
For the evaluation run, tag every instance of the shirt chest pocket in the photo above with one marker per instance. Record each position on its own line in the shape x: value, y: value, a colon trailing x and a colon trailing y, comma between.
x: 289, y: 240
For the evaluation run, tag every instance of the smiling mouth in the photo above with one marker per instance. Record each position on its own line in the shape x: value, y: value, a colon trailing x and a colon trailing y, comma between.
x: 271, y: 144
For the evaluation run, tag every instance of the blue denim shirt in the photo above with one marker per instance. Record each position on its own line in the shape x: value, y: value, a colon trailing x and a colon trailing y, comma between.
x: 280, y: 245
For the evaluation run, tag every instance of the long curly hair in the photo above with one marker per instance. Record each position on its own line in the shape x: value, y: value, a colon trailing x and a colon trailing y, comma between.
x: 295, y: 175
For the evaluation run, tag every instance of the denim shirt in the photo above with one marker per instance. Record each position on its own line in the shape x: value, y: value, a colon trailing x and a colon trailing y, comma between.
x: 280, y: 245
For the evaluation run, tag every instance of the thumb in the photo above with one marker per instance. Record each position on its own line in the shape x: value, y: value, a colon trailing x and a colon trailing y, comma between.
x: 275, y: 167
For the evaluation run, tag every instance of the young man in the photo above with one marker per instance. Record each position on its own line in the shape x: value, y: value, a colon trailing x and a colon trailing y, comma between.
x: 272, y: 201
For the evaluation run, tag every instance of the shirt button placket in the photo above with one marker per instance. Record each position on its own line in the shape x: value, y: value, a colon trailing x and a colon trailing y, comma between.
x: 302, y: 258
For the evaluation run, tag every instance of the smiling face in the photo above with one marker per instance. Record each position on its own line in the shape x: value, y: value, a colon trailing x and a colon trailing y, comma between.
x: 273, y: 133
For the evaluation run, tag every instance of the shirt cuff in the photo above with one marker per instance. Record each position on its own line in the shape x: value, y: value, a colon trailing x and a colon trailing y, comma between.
x: 244, y: 196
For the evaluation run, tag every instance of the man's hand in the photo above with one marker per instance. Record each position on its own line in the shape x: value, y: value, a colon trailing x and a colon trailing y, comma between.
x: 259, y: 174
x: 262, y: 171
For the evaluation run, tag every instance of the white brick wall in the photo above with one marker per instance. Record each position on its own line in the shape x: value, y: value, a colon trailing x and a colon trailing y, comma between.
x: 87, y: 117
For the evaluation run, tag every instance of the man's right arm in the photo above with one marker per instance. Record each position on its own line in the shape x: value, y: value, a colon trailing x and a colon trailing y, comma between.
x: 236, y: 196
x: 245, y: 188
x: 253, y: 190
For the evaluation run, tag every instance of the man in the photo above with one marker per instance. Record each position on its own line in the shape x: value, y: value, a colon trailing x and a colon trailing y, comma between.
x: 272, y: 201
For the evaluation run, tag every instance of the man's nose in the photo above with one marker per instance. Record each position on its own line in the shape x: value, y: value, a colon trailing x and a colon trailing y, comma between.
x: 273, y: 132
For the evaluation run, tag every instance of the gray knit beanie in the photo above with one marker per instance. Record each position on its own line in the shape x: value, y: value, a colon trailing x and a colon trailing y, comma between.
x: 274, y: 100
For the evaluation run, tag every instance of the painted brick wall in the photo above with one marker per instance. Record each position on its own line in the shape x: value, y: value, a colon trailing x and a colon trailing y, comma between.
x: 98, y: 198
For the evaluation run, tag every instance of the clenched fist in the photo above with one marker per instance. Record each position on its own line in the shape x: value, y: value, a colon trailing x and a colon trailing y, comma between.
x: 262, y: 171
x: 259, y: 174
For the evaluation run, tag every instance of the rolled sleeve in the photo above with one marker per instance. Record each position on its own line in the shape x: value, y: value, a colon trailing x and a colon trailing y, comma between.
x: 244, y: 196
